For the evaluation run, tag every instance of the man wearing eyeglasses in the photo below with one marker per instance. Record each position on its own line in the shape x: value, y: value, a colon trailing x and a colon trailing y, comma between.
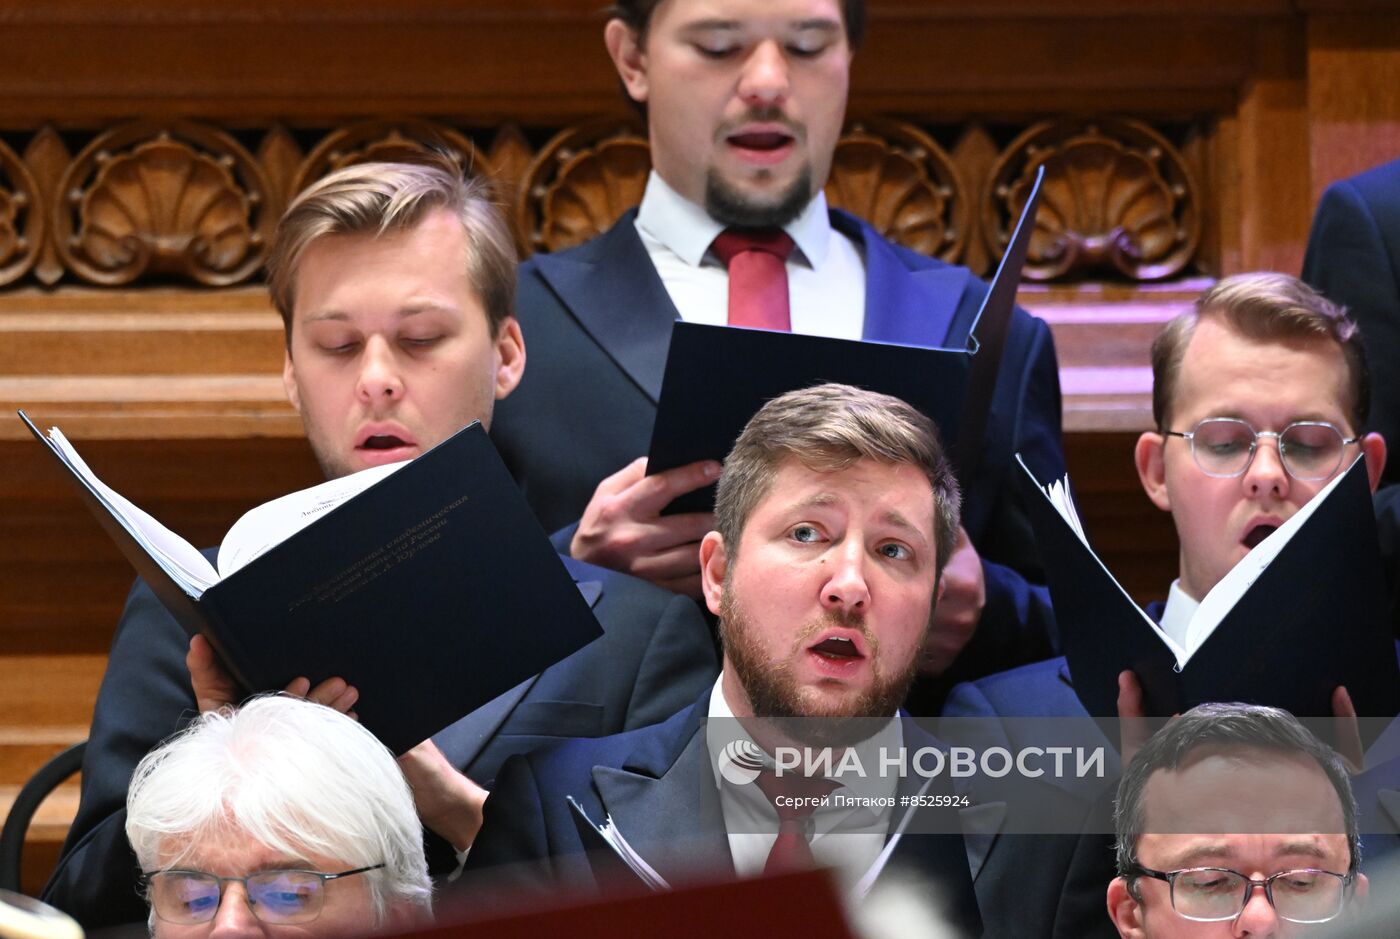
x: 283, y: 818
x: 1258, y: 395
x: 1233, y: 820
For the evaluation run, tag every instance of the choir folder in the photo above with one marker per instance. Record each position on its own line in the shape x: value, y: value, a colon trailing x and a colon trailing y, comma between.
x: 1302, y: 613
x: 717, y: 377
x: 428, y: 585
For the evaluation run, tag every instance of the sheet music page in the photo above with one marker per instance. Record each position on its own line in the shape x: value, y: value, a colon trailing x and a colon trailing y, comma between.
x: 274, y: 522
x: 1060, y: 496
x: 614, y: 840
x: 1063, y: 501
x: 635, y: 861
x: 181, y: 560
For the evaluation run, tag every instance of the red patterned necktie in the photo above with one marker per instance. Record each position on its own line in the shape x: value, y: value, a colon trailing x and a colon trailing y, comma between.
x: 792, y: 850
x: 758, y: 283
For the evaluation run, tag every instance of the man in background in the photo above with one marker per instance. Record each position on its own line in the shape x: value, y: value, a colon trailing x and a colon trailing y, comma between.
x: 1234, y: 820
x: 396, y: 284
x: 744, y: 101
x: 1259, y: 395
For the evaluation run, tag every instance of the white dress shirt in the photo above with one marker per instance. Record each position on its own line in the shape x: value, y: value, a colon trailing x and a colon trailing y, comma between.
x: 1176, y: 615
x: 845, y: 838
x: 826, y: 272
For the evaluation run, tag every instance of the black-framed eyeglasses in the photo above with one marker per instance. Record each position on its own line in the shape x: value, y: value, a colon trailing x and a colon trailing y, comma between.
x: 1224, y: 447
x: 275, y: 897
x: 1215, y: 894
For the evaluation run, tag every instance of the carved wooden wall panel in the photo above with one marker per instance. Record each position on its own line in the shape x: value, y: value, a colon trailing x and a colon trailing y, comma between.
x: 1119, y: 201
x: 108, y: 243
x: 21, y: 217
x: 191, y: 203
x: 182, y: 201
x: 581, y: 181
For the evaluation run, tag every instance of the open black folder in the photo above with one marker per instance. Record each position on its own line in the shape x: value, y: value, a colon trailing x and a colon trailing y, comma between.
x: 432, y: 591
x: 1301, y: 614
x: 717, y: 377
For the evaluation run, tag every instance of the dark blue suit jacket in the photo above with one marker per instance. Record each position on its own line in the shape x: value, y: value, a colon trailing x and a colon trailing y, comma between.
x: 655, y: 655
x: 1353, y: 257
x: 657, y: 786
x: 1042, y: 694
x: 597, y: 323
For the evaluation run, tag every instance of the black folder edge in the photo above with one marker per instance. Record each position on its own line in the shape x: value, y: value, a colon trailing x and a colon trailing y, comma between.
x: 186, y: 610
x: 982, y: 340
x: 172, y: 596
x: 986, y: 339
x: 1158, y: 650
x: 722, y: 353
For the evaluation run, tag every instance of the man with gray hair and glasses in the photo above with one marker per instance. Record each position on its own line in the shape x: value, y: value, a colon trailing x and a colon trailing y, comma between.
x: 281, y: 818
x: 1234, y: 820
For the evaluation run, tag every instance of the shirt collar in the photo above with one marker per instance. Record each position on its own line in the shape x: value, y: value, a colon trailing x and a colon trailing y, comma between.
x: 1176, y: 615
x: 870, y: 751
x: 688, y: 230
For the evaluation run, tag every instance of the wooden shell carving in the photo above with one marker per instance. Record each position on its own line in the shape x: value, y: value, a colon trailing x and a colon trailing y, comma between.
x: 904, y: 184
x: 21, y: 220
x: 1118, y: 200
x: 185, y: 202
x: 580, y: 183
x: 385, y: 140
x: 891, y: 174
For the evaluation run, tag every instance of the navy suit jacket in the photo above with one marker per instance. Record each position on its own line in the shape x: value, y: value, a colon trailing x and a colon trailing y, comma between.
x: 1353, y: 257
x: 655, y: 655
x: 597, y: 323
x: 657, y: 786
x: 975, y: 710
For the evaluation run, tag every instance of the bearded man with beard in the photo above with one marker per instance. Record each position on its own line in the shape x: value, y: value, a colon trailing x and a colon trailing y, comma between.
x: 744, y: 103
x: 836, y: 512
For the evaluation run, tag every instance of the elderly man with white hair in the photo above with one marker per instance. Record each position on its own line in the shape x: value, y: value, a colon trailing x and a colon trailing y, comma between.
x: 281, y: 818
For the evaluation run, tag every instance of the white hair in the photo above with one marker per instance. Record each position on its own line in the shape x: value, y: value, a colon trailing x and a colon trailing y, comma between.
x: 293, y: 776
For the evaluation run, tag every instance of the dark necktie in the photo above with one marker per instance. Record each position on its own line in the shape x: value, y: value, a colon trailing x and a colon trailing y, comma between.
x: 758, y: 283
x: 792, y: 849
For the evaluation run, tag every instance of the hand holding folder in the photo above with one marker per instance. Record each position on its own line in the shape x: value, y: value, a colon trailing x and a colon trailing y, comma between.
x: 1301, y: 615
x: 428, y: 585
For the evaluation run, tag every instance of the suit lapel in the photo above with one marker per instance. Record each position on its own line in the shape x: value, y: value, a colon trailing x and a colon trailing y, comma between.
x: 463, y: 741
x: 914, y: 307
x: 981, y: 824
x: 611, y: 287
x: 667, y: 806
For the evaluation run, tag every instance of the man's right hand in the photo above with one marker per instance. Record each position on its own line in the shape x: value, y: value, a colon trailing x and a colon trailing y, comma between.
x: 215, y: 688
x: 623, y: 529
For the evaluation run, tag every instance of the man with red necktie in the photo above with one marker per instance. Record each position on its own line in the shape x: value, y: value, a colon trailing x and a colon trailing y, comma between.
x: 745, y: 101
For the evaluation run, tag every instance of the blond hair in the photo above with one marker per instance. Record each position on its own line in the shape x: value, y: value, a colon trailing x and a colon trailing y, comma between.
x: 1266, y: 307
x: 374, y: 198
